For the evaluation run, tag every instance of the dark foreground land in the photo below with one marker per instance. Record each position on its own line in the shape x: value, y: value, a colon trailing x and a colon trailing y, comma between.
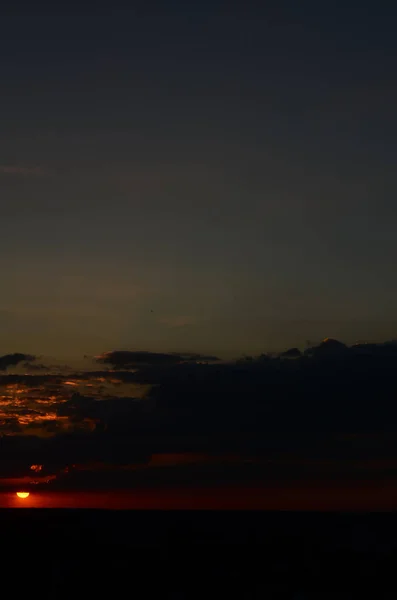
x: 198, y: 554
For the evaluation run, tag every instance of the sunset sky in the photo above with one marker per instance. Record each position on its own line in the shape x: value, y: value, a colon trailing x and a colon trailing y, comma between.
x: 197, y: 179
x: 257, y: 435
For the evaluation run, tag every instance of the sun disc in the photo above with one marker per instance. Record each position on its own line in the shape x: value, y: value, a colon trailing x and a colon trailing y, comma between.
x: 23, y: 495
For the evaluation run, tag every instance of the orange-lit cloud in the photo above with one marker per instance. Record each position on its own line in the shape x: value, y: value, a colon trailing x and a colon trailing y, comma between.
x: 41, y: 405
x: 36, y: 468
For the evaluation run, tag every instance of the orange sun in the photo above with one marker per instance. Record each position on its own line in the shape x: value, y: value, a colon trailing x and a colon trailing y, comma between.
x: 23, y: 495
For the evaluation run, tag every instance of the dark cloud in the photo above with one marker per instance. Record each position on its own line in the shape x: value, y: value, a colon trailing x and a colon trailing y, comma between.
x: 265, y: 406
x: 29, y: 380
x: 194, y: 357
x: 105, y: 411
x: 10, y: 425
x: 328, y: 348
x: 386, y: 349
x: 132, y: 360
x: 291, y: 353
x: 32, y: 380
x: 126, y: 359
x: 35, y: 367
x: 11, y: 360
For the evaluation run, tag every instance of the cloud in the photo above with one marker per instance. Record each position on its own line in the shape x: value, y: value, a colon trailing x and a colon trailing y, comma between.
x: 386, y: 349
x: 291, y: 353
x: 329, y: 348
x: 257, y: 407
x: 127, y: 359
x: 31, y: 381
x: 134, y: 359
x: 19, y: 170
x: 195, y: 357
x: 11, y: 360
x: 35, y: 367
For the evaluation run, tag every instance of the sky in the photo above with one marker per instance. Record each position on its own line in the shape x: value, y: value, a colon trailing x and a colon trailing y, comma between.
x: 201, y: 177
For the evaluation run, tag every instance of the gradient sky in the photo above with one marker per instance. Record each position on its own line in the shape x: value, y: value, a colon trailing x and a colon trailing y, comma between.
x: 232, y: 171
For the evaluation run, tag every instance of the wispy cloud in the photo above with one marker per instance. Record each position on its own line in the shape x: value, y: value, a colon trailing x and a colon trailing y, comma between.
x: 20, y: 170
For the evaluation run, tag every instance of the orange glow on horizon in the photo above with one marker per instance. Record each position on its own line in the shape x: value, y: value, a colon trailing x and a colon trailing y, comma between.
x: 23, y: 495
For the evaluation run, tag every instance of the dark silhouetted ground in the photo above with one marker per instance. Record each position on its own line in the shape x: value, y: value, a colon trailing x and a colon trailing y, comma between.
x: 81, y: 554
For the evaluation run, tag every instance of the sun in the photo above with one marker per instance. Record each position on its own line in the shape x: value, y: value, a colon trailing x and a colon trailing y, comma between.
x: 23, y: 495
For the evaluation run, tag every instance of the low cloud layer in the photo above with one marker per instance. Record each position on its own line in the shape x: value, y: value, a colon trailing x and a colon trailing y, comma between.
x: 131, y: 360
x: 305, y: 405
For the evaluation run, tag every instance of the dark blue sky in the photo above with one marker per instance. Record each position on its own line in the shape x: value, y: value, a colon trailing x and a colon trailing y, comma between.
x: 230, y: 169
